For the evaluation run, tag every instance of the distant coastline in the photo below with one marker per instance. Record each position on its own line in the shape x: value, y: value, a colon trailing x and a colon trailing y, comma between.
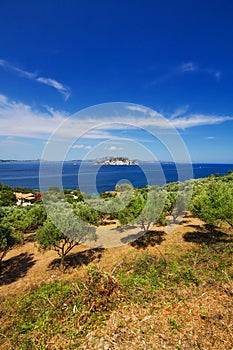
x: 18, y: 160
x: 99, y: 161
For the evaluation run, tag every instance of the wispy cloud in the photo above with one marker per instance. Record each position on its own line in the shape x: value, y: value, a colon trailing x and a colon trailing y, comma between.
x: 194, y: 67
x: 180, y: 111
x: 184, y: 68
x: 179, y: 119
x: 137, y: 108
x: 210, y: 137
x: 81, y: 146
x: 187, y: 67
x: 195, y: 120
x: 144, y: 110
x: 21, y: 72
x: 21, y: 120
x: 114, y: 148
x: 217, y: 75
x: 11, y: 141
x: 64, y: 90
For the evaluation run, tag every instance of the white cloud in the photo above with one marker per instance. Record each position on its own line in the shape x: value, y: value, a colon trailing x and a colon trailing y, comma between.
x: 81, y: 147
x: 144, y: 110
x: 188, y: 121
x: 137, y: 108
x: 11, y: 141
x: 65, y: 91
x: 210, y: 137
x: 21, y: 120
x: 78, y: 146
x: 114, y: 148
x: 198, y: 120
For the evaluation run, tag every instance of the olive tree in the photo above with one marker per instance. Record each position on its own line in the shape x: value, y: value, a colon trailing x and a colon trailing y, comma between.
x: 87, y: 213
x: 62, y: 231
x: 214, y: 204
x: 132, y: 210
x: 7, y: 240
x: 144, y: 210
x: 152, y: 209
x: 24, y: 219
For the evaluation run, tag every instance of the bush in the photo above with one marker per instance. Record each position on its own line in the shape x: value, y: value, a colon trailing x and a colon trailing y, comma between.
x: 7, y: 240
x: 7, y: 196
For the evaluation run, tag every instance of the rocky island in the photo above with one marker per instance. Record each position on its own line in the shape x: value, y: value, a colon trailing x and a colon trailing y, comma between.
x: 116, y: 161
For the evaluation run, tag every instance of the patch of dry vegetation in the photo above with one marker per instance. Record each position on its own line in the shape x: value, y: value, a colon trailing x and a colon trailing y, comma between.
x: 176, y: 295
x: 199, y: 318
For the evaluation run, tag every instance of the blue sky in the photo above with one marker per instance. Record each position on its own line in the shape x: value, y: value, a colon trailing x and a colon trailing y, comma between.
x: 174, y: 57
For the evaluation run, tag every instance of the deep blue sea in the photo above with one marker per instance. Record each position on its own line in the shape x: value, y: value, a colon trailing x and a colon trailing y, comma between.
x: 97, y: 179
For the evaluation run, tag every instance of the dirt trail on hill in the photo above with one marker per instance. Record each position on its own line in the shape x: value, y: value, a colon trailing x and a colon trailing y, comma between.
x: 24, y: 267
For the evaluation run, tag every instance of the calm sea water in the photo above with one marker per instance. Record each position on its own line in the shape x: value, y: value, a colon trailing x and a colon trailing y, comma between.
x: 96, y: 179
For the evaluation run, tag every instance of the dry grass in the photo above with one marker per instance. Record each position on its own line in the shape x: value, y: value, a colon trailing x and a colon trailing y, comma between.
x: 201, y: 319
x: 169, y: 293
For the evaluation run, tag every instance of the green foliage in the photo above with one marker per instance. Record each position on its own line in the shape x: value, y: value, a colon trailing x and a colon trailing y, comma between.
x: 174, y: 324
x: 7, y: 196
x: 63, y: 232
x: 74, y: 196
x: 152, y: 209
x: 16, y: 218
x: 183, y: 198
x: 36, y: 215
x: 178, y: 198
x: 22, y: 189
x: 7, y: 240
x: 132, y: 210
x: 87, y: 213
x: 145, y: 208
x: 143, y: 276
x: 24, y: 219
x: 54, y: 189
x: 123, y: 187
x: 108, y: 195
x: 106, y: 207
x: 213, y: 203
x: 62, y: 307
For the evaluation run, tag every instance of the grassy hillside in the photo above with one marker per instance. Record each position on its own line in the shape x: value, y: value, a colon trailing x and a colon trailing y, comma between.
x: 165, y: 290
x: 153, y: 299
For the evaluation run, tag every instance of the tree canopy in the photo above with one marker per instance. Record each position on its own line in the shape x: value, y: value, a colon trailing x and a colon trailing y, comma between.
x: 63, y: 230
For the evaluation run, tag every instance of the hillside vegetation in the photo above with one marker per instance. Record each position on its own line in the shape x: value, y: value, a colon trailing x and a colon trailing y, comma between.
x: 165, y: 290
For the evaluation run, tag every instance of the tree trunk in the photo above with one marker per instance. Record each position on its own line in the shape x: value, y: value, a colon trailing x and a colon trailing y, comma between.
x: 62, y: 267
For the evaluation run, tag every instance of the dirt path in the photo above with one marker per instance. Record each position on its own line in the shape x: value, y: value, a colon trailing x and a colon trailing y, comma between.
x: 24, y: 267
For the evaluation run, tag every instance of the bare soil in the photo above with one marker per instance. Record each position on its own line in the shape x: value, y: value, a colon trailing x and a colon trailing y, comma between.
x: 25, y: 267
